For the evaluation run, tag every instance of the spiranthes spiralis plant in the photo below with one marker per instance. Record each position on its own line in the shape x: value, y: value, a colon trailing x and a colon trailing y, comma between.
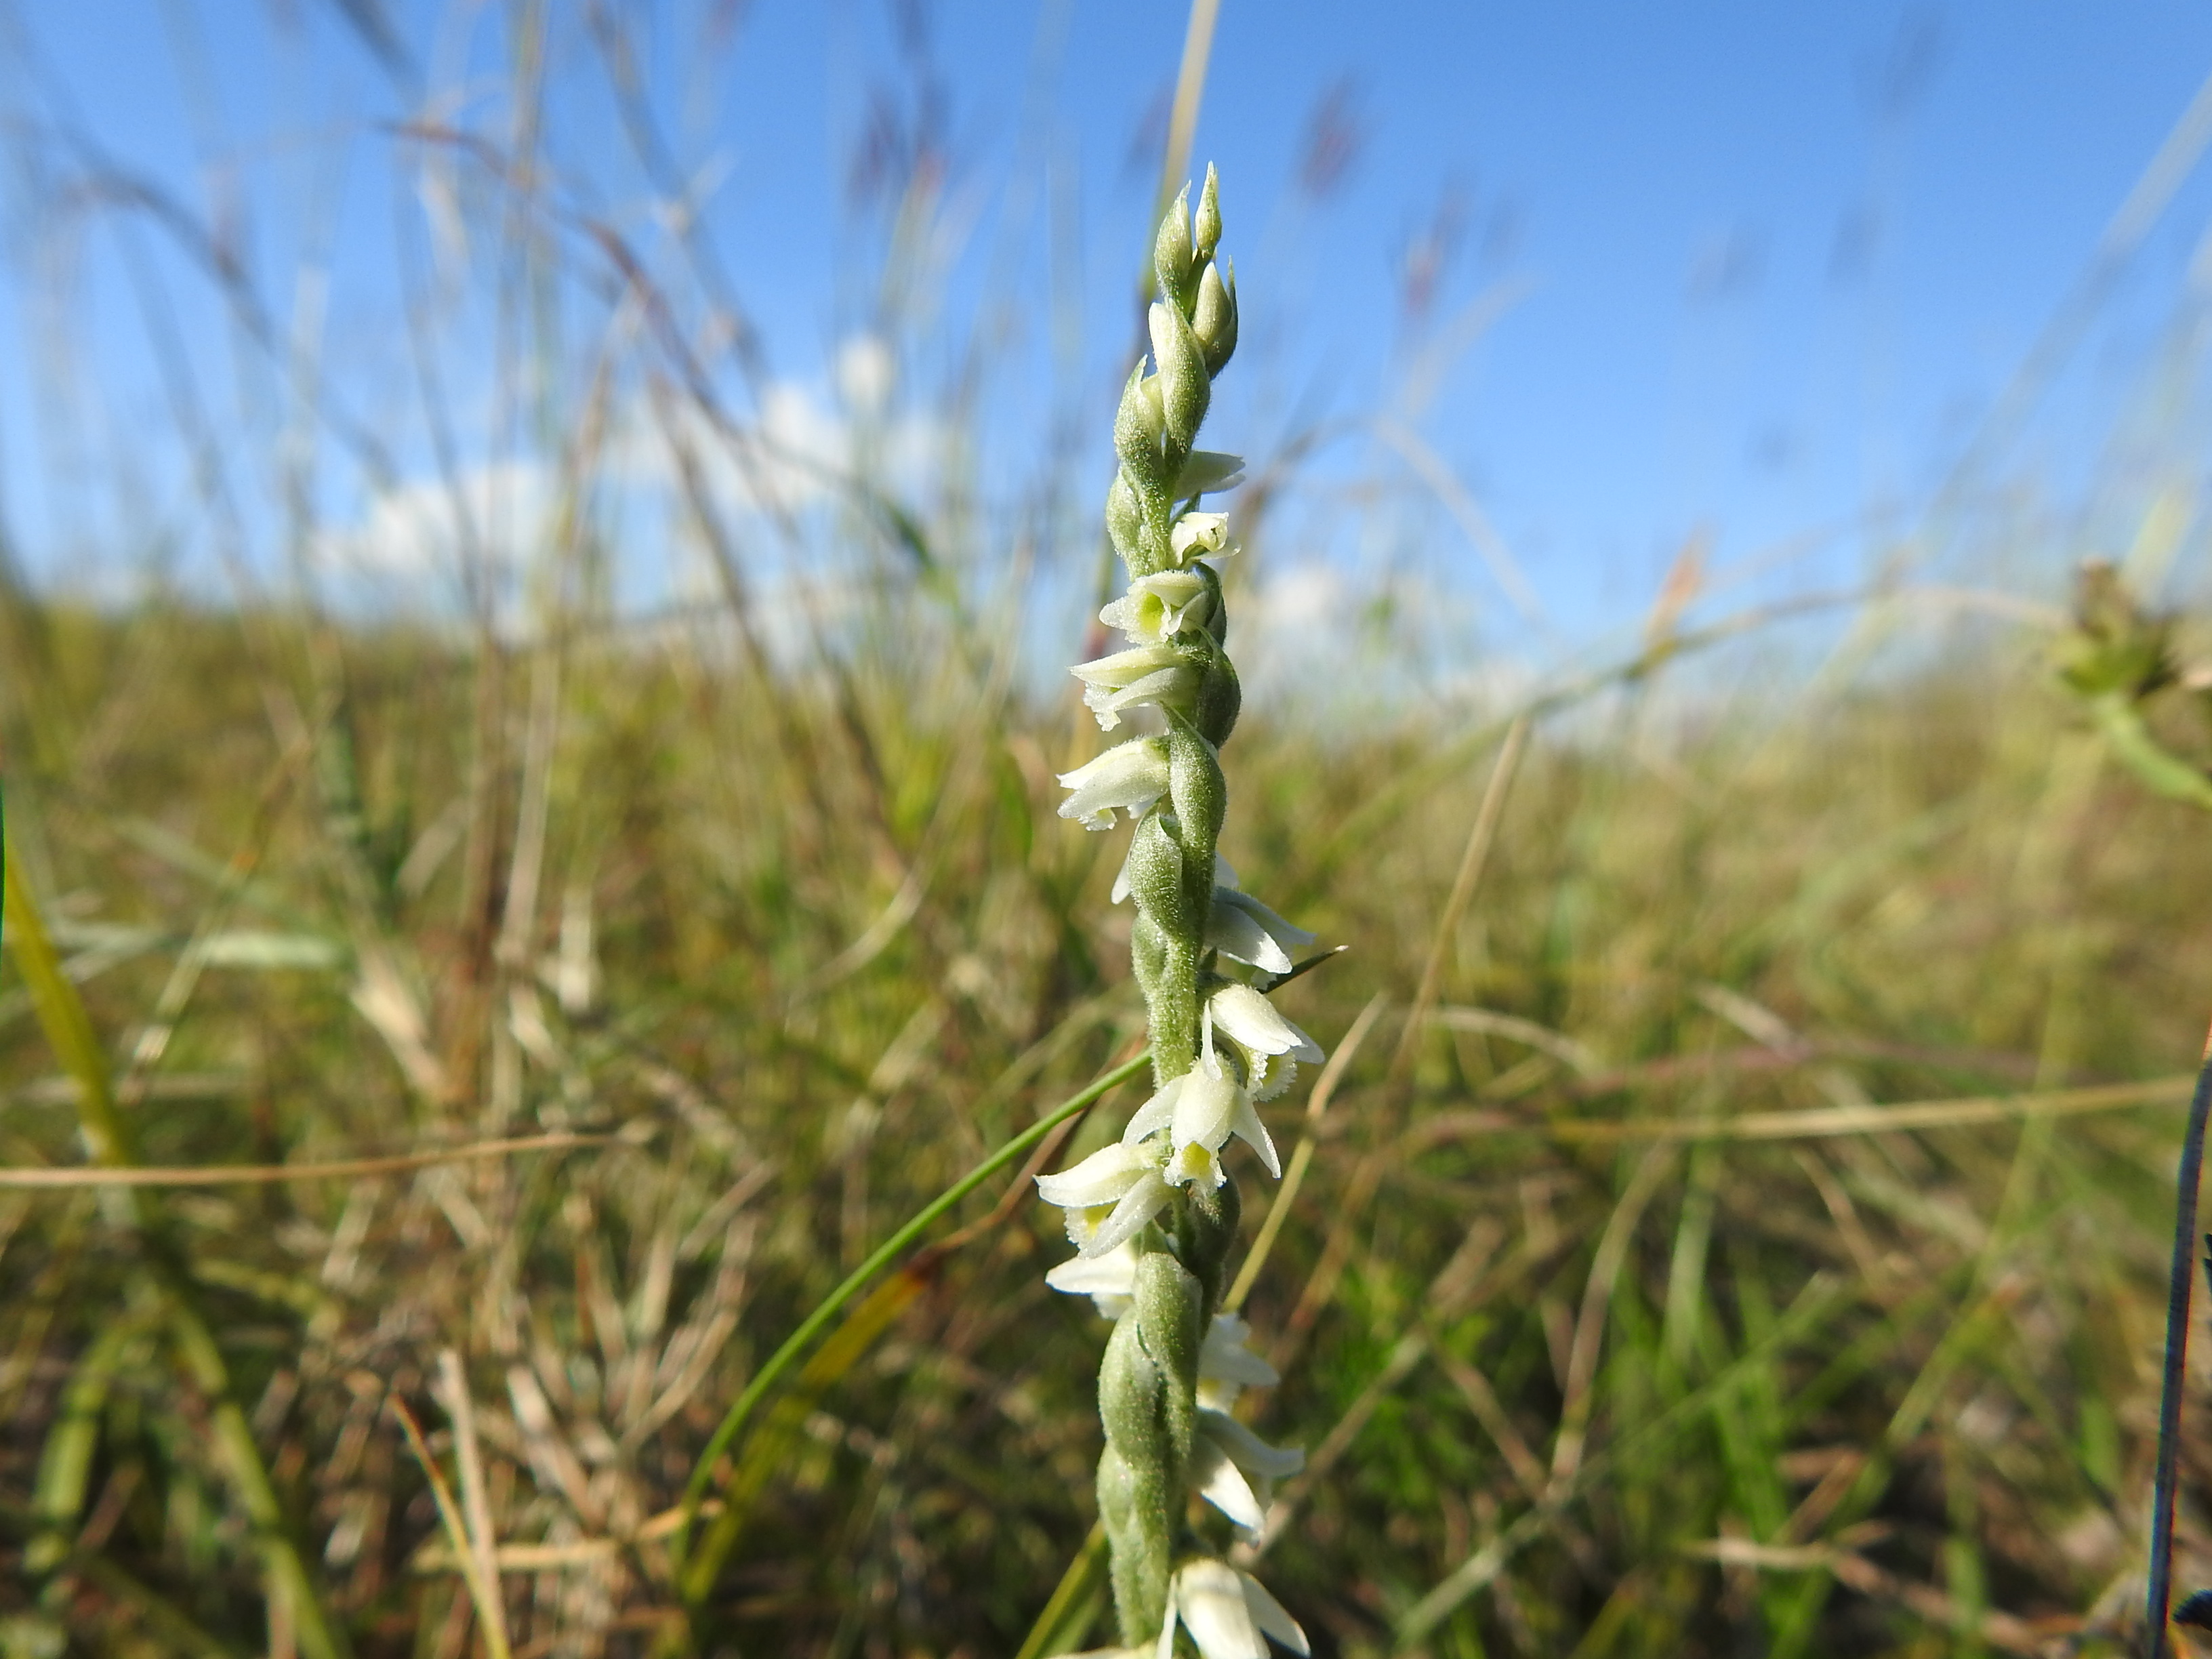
x: 1154, y: 1215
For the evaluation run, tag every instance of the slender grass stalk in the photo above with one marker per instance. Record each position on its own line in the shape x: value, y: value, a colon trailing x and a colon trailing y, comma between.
x: 478, y: 1567
x: 695, y: 1575
x: 69, y: 1029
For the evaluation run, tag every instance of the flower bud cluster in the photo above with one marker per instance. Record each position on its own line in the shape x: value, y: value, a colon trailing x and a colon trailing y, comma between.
x: 1154, y: 1214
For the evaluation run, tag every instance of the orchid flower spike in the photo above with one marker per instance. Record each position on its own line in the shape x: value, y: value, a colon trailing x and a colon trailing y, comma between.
x: 1154, y: 1214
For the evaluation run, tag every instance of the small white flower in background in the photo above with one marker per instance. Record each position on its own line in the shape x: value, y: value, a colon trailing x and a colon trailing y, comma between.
x: 1158, y: 607
x: 1109, y: 1197
x: 1250, y: 1020
x: 1236, y: 1471
x: 1207, y: 473
x: 1227, y: 1613
x: 1149, y: 674
x: 1130, y: 777
x: 1197, y: 534
x: 1202, y: 1107
x: 1110, y: 1280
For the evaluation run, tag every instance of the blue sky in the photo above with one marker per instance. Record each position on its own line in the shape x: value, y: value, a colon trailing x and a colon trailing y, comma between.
x: 1751, y: 271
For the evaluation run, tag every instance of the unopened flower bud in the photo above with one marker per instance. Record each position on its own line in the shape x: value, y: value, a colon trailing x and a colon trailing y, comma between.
x: 1140, y: 433
x: 1209, y: 214
x: 1185, y: 387
x: 1175, y: 262
x: 1213, y: 319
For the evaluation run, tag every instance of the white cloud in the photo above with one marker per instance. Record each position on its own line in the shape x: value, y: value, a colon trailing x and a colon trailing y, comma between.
x: 487, y: 521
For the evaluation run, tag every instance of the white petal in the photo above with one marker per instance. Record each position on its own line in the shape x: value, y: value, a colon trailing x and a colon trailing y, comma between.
x: 1223, y: 1355
x: 1223, y: 1485
x: 1280, y: 936
x: 1101, y: 1178
x: 1225, y: 873
x: 1140, y: 759
x: 1209, y: 1597
x: 1250, y: 1454
x: 1155, y: 1114
x: 1139, y: 1206
x: 1245, y: 1125
x: 1267, y: 1612
x: 1250, y: 1018
x: 1236, y: 934
x: 1206, y: 1110
x: 1156, y: 687
x: 1198, y: 534
x: 1208, y: 471
x: 1130, y: 775
x: 1124, y: 667
x: 1113, y: 1274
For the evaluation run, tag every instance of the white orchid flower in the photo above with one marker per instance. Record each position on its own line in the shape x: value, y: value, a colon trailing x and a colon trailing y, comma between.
x: 1227, y: 1613
x: 1130, y: 777
x: 1207, y: 473
x: 1225, y: 1366
x: 1148, y: 674
x: 1245, y: 930
x: 1109, y: 1197
x: 1236, y: 1471
x: 1250, y: 1020
x: 1194, y: 535
x: 1202, y: 1109
x: 1110, y: 1281
x: 1159, y: 606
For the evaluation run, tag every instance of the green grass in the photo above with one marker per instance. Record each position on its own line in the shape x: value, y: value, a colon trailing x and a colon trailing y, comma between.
x: 1876, y: 1392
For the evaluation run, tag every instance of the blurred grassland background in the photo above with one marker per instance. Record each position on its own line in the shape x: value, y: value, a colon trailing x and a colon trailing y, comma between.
x: 1737, y: 1208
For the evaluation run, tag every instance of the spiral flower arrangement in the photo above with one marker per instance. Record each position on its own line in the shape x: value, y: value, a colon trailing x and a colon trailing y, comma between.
x: 1154, y: 1215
